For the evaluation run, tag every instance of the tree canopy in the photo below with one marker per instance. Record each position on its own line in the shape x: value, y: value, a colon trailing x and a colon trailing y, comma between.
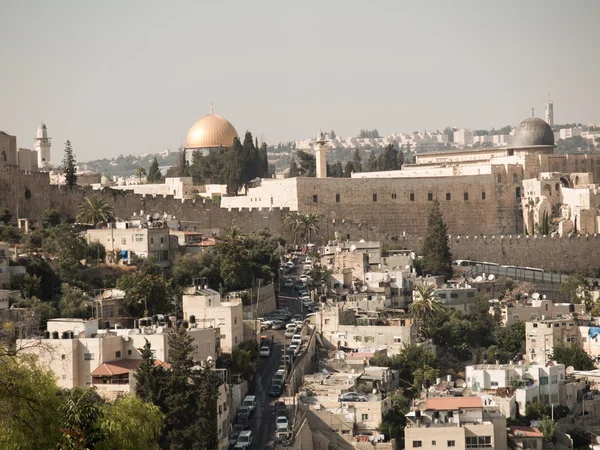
x: 437, y: 258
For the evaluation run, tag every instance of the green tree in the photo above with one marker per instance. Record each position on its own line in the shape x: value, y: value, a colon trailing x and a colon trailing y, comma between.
x: 356, y: 161
x: 576, y: 289
x: 437, y: 258
x: 400, y: 159
x: 234, y: 175
x: 234, y: 234
x: 148, y: 376
x: 388, y: 160
x: 348, y: 169
x: 50, y: 218
x: 128, y: 423
x: 548, y: 429
x: 139, y: 173
x: 573, y: 356
x: 294, y: 170
x: 308, y: 224
x: 372, y: 163
x: 74, y: 303
x: 5, y: 215
x: 536, y: 410
x: 307, y: 164
x: 336, y: 170
x: 29, y: 406
x: 154, y: 173
x: 81, y: 414
x: 69, y: 169
x: 291, y: 224
x: 426, y: 304
x: 147, y: 286
x: 94, y: 210
x: 511, y: 339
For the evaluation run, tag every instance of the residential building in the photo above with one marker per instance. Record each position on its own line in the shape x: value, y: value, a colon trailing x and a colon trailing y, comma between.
x: 205, y: 307
x: 542, y: 336
x: 131, y: 239
x: 344, y: 328
x: 109, y: 307
x: 80, y: 354
x: 524, y: 438
x: 464, y: 138
x: 530, y: 383
x: 461, y: 297
x: 6, y: 270
x: 534, y: 309
x: 458, y: 422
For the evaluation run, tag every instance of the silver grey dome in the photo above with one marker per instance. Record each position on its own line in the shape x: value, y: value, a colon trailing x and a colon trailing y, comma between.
x: 533, y: 132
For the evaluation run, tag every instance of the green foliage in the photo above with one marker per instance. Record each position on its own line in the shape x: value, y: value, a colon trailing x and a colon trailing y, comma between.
x: 426, y: 304
x: 154, y: 173
x: 348, y: 169
x: 437, y: 258
x: 28, y: 405
x: 364, y: 134
x: 94, y: 210
x: 307, y: 164
x: 303, y: 225
x: 130, y: 424
x: 576, y: 289
x: 388, y: 160
x: 294, y: 169
x: 5, y: 215
x: 50, y: 218
x: 372, y: 165
x: 147, y: 282
x: 356, y: 161
x: 69, y: 169
x: 74, y: 303
x: 573, y: 356
x: 511, y: 339
x: 140, y: 172
x: 81, y: 413
x: 536, y: 410
x: 148, y: 376
x: 10, y: 234
x: 548, y: 429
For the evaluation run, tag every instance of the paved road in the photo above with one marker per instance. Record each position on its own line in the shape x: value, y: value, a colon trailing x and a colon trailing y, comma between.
x: 263, y: 426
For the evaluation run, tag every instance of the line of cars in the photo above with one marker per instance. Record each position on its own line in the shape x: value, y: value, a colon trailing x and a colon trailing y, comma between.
x: 277, y: 319
x: 241, y: 437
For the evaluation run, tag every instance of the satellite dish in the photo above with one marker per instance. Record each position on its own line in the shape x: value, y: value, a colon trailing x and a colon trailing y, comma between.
x: 422, y: 406
x: 364, y: 288
x: 107, y: 294
x: 407, y: 267
x: 544, y: 297
x: 570, y: 370
x: 491, y: 277
x: 362, y: 241
x: 338, y: 249
x: 353, y: 371
x: 159, y: 330
x: 535, y: 295
x: 81, y: 334
x: 353, y: 248
x: 209, y: 358
x: 479, y: 279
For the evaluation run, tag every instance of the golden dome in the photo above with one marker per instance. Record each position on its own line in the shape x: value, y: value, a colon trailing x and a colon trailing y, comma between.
x: 211, y: 130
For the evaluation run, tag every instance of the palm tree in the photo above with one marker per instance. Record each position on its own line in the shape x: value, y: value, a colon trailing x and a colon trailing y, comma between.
x: 140, y: 172
x: 94, y: 210
x: 426, y: 304
x: 309, y: 224
x: 234, y: 234
x: 291, y: 224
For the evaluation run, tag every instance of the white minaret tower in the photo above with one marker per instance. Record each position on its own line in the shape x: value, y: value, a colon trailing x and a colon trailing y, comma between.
x: 42, y: 146
x: 550, y: 113
x: 321, y: 148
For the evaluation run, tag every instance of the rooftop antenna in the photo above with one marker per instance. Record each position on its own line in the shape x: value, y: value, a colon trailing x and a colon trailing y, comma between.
x: 211, y: 108
x: 532, y: 112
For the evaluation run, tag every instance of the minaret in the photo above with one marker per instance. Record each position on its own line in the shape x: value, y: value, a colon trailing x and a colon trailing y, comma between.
x: 550, y: 113
x: 42, y: 146
x: 321, y: 148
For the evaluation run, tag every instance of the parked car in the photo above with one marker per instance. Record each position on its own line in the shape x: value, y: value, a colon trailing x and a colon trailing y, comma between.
x: 294, y: 348
x: 308, y: 267
x: 278, y: 325
x: 265, y: 351
x: 308, y: 260
x: 282, y: 423
x: 244, y: 440
x: 304, y: 278
x: 288, y: 283
x: 289, y: 333
x: 286, y: 359
x: 250, y: 403
x: 275, y: 389
x: 290, y: 264
x: 352, y: 397
x: 278, y: 376
x: 235, y: 432
x: 243, y: 415
x: 297, y: 339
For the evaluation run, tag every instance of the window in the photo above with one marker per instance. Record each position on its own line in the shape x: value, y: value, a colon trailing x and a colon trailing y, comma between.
x: 417, y: 444
x: 337, y: 198
x: 117, y: 354
x: 327, y: 321
x: 220, y: 409
x: 482, y: 195
x: 514, y: 177
x: 64, y: 377
x: 88, y: 379
x: 554, y: 379
x: 454, y: 295
x: 448, y: 196
x: 223, y: 336
x: 412, y: 196
x: 129, y: 352
x: 543, y: 381
x: 152, y: 240
x: 138, y: 237
x: 235, y: 339
x: 88, y: 356
x: 478, y: 442
x: 430, y: 196
x: 393, y: 195
x: 369, y: 338
x: 162, y: 240
x: 364, y: 417
x: 494, y: 383
x: 433, y: 443
x: 374, y: 197
x: 63, y: 356
x: 397, y: 339
x: 357, y: 338
x: 315, y: 198
x: 529, y: 443
x: 123, y: 240
x: 470, y: 294
x: 235, y: 320
x: 466, y: 196
x: 451, y: 443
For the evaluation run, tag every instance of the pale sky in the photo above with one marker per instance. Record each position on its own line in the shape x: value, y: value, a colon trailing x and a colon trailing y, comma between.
x: 120, y: 77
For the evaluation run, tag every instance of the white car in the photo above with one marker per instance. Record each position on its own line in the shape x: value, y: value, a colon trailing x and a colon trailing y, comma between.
x: 294, y: 348
x: 290, y: 264
x: 265, y: 351
x: 282, y: 424
x: 303, y: 278
x: 307, y: 267
x: 296, y: 339
x: 288, y: 283
x: 308, y: 260
x: 289, y: 333
x: 244, y: 441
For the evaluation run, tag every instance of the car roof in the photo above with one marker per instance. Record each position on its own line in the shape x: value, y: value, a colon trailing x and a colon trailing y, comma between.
x: 249, y: 397
x: 246, y: 433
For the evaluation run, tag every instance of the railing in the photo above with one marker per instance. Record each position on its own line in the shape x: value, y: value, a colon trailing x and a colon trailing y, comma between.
x: 519, y: 273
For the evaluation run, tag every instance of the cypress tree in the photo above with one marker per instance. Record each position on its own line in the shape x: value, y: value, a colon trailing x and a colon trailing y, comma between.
x: 436, y: 251
x: 154, y: 173
x: 264, y: 160
x: 357, y: 161
x: 234, y: 160
x: 348, y: 169
x: 294, y: 172
x: 372, y: 162
x: 69, y: 169
x: 400, y: 159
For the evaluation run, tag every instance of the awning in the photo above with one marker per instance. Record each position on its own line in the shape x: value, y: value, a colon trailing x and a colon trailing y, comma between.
x: 121, y: 367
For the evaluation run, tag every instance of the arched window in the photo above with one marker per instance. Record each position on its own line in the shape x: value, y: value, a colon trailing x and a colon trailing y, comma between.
x: 518, y: 192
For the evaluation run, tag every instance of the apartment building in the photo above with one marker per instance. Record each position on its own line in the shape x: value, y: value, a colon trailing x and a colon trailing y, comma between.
x: 529, y: 383
x: 464, y: 138
x: 81, y: 354
x: 457, y: 422
x: 542, y: 336
x: 129, y: 239
x: 346, y: 328
x: 459, y: 297
x: 205, y: 308
x: 6, y: 270
x: 536, y: 309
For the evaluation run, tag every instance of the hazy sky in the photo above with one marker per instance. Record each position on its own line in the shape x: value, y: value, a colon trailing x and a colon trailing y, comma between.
x: 120, y: 77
